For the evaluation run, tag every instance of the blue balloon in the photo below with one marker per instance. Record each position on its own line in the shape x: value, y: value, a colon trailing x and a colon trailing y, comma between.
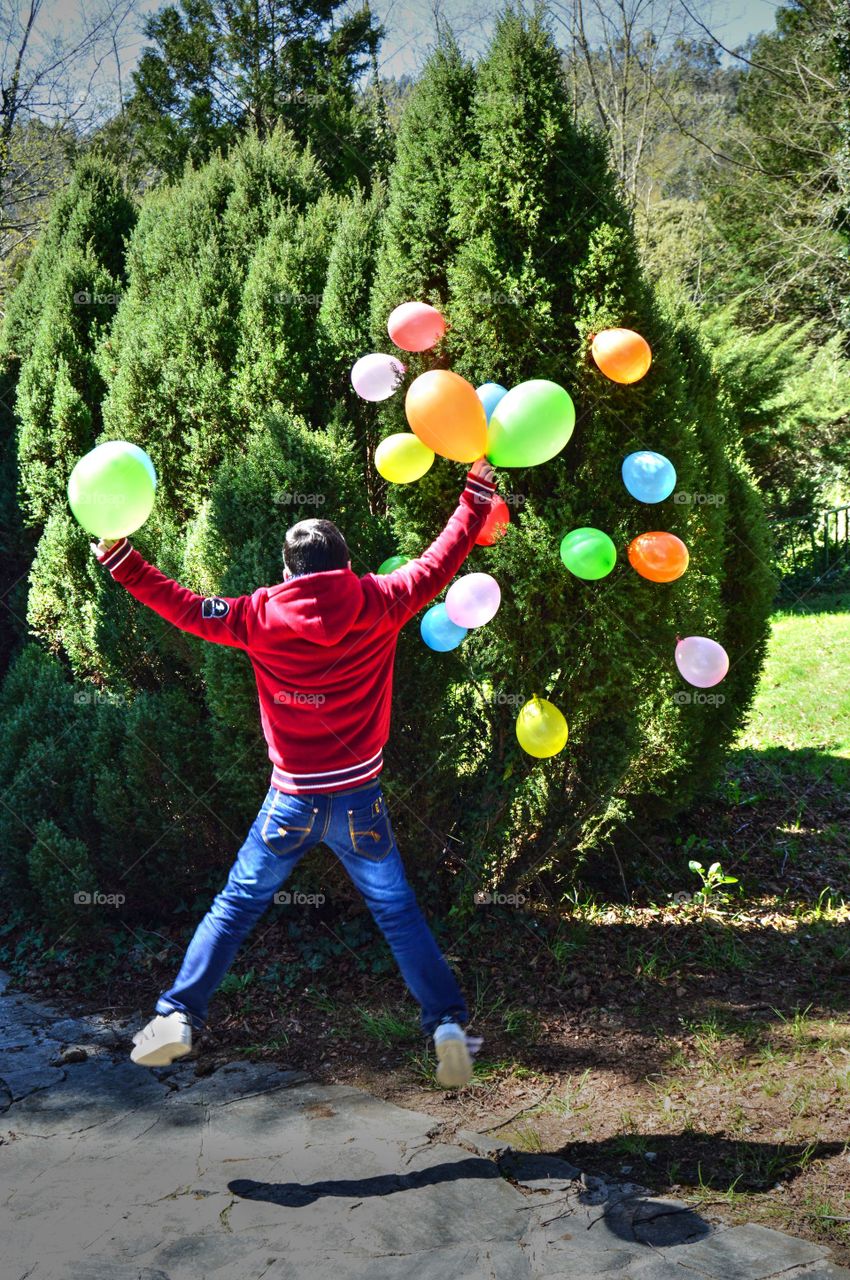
x: 438, y: 630
x: 649, y: 476
x: 490, y: 393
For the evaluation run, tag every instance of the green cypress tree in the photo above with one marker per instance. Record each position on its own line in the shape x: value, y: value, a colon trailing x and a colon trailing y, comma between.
x: 169, y: 358
x: 540, y: 255
x: 280, y: 359
x: 345, y: 325
x: 842, y: 58
x: 433, y: 135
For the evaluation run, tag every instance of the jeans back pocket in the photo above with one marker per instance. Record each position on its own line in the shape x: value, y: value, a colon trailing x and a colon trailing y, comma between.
x: 288, y: 825
x: 369, y: 830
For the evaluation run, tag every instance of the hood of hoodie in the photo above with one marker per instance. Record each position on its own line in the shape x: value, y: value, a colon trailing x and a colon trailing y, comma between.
x: 319, y: 607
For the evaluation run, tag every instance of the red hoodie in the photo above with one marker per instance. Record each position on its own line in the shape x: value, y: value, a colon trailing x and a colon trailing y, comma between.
x: 322, y: 646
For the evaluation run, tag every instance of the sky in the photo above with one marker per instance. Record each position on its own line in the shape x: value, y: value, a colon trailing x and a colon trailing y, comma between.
x: 409, y: 27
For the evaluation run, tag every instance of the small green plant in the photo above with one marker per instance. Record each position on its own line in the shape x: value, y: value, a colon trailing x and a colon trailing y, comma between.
x: 235, y: 983
x: 521, y: 1024
x: 524, y: 1138
x: 386, y: 1027
x: 712, y: 880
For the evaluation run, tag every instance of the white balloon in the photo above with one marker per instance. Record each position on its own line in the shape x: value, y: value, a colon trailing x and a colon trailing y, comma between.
x: 376, y: 376
x: 473, y: 600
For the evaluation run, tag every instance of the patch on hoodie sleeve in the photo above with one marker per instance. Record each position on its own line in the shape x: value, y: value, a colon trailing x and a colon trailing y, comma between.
x: 214, y: 607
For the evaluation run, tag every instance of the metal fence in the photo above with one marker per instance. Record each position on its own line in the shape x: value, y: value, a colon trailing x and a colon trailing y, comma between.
x: 813, y: 550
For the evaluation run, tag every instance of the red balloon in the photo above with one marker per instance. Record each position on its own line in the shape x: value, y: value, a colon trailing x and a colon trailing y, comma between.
x: 496, y: 524
x: 415, y: 326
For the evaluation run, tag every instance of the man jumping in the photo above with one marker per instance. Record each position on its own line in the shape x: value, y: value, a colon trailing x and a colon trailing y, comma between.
x: 322, y: 645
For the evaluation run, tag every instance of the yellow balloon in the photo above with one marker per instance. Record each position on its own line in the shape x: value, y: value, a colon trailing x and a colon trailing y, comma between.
x: 403, y: 458
x: 541, y: 729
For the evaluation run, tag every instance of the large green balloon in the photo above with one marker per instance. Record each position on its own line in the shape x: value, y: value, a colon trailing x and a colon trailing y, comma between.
x: 530, y: 424
x: 111, y: 489
x: 588, y: 553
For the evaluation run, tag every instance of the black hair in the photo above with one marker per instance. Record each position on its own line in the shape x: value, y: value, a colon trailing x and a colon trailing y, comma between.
x: 314, y: 546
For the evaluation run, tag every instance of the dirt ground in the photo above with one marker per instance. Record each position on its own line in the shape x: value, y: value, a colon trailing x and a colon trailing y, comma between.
x: 700, y: 1048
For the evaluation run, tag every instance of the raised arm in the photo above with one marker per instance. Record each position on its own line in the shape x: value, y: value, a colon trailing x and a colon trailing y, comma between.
x: 415, y: 584
x: 221, y: 619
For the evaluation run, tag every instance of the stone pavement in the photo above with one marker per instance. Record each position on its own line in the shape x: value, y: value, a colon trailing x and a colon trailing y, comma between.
x: 113, y: 1172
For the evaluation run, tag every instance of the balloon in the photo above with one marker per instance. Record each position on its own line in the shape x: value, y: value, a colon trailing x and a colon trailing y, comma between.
x: 661, y: 557
x: 649, y: 476
x: 414, y: 326
x: 490, y: 393
x: 701, y: 661
x: 143, y: 458
x: 541, y: 728
x: 438, y: 630
x: 393, y: 563
x: 496, y: 525
x: 588, y: 553
x: 530, y: 424
x: 621, y: 354
x: 376, y: 376
x: 446, y: 414
x: 110, y: 490
x: 403, y: 458
x: 473, y: 599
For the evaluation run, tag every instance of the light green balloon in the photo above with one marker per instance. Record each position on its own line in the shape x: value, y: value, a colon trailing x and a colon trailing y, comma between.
x: 111, y: 489
x: 530, y: 425
x: 588, y: 553
x: 394, y: 562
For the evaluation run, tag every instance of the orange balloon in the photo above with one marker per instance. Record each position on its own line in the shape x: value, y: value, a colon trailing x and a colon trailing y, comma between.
x: 446, y: 414
x: 621, y: 354
x: 661, y: 557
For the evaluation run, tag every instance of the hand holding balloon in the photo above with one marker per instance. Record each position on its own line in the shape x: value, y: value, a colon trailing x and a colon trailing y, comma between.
x: 484, y: 470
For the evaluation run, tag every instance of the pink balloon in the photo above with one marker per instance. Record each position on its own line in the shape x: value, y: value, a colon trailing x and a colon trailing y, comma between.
x: 473, y: 599
x: 376, y: 376
x: 702, y: 662
x: 415, y: 326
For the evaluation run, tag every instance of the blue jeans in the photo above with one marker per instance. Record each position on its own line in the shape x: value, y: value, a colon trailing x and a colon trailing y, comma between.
x: 355, y: 825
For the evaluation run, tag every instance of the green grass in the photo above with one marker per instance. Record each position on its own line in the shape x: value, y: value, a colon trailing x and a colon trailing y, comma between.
x: 803, y: 701
x: 387, y: 1027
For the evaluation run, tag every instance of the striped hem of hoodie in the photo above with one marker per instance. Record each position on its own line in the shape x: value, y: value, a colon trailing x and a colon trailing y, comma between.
x: 330, y: 779
x: 116, y: 555
x: 481, y: 490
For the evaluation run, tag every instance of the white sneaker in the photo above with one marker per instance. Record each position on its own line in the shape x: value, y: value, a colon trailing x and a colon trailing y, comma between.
x: 165, y: 1038
x: 454, y: 1051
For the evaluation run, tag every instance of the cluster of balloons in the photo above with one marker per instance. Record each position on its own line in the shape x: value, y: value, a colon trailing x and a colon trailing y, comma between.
x: 112, y: 488
x: 649, y: 477
x: 471, y: 601
x: 522, y: 427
